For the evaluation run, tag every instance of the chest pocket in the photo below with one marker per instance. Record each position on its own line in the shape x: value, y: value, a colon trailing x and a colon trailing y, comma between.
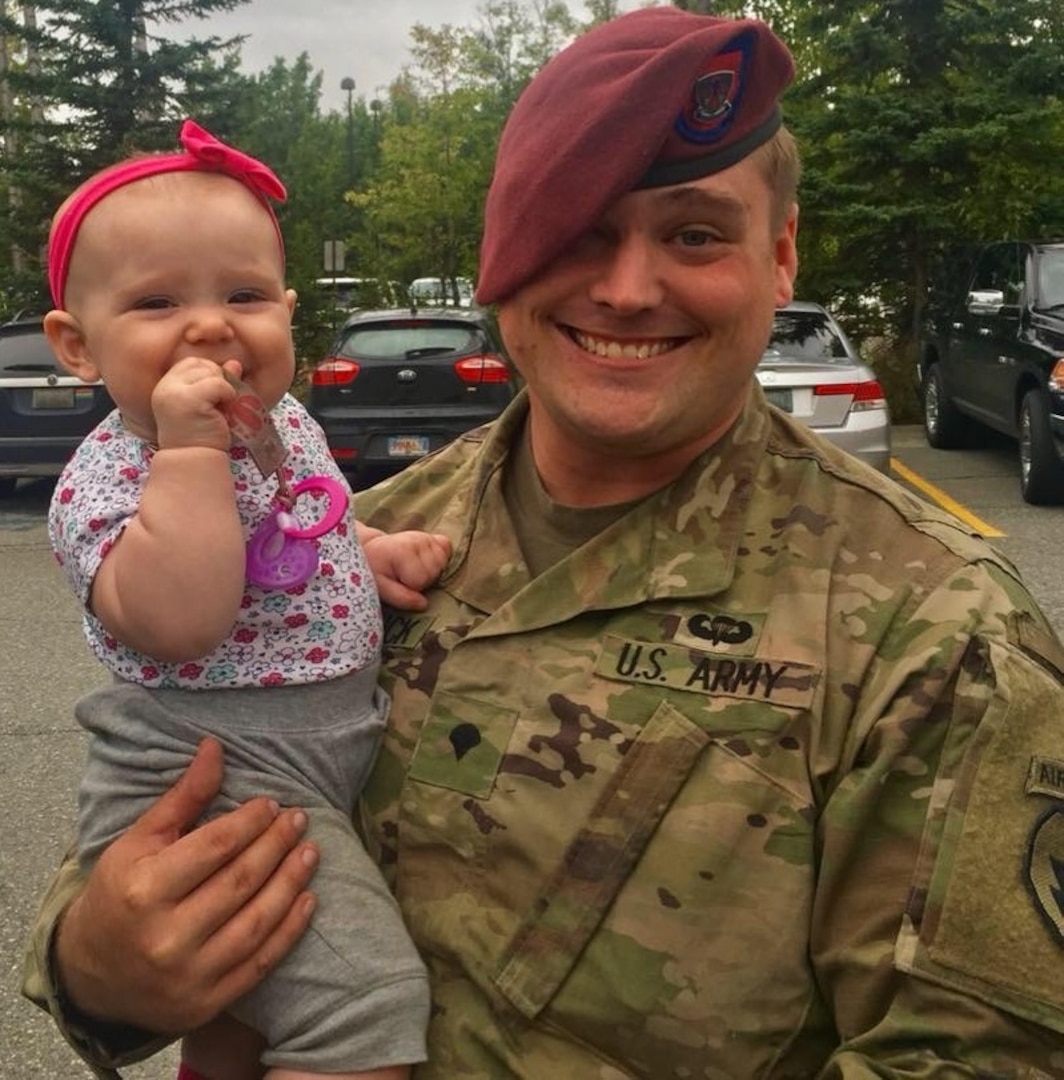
x: 599, y: 859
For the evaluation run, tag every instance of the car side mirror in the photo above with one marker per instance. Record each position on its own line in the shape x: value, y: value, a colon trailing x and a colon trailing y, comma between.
x: 985, y: 301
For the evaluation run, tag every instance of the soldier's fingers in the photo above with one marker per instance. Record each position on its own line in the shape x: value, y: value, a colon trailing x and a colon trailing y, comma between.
x: 181, y: 806
x: 211, y: 848
x: 254, y: 940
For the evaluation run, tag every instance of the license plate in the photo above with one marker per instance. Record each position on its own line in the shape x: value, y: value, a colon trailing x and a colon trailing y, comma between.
x: 781, y: 397
x: 53, y: 397
x: 408, y: 445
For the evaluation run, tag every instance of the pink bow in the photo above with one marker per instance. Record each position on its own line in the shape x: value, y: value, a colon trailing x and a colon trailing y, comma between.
x: 214, y: 153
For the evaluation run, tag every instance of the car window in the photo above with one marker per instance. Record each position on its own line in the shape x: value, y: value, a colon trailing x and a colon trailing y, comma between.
x: 1051, y: 279
x: 440, y: 293
x: 350, y: 293
x: 409, y: 341
x: 26, y: 352
x: 1000, y: 269
x: 804, y: 337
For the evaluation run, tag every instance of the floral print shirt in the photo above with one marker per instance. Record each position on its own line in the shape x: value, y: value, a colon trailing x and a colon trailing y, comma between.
x: 327, y: 627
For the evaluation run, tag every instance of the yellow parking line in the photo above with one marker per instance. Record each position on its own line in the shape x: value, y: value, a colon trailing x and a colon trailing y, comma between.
x: 939, y: 496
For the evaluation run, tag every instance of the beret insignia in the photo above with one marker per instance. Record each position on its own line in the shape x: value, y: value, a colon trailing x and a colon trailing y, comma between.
x: 715, y: 96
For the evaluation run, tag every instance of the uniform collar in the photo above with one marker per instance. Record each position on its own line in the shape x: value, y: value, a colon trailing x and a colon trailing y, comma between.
x: 679, y: 542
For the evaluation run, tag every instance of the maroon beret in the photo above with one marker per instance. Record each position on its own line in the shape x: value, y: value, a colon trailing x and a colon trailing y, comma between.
x: 658, y: 96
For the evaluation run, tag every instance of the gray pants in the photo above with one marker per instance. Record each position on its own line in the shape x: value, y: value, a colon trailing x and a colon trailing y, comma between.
x: 353, y: 993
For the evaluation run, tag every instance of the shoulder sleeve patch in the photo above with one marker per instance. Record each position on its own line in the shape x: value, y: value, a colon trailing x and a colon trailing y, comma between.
x: 986, y: 910
x: 1045, y: 870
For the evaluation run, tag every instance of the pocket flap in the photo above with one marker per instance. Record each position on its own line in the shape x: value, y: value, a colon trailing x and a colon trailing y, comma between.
x: 573, y: 903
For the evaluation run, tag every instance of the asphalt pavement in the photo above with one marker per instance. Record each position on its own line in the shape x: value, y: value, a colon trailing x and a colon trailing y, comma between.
x: 45, y: 666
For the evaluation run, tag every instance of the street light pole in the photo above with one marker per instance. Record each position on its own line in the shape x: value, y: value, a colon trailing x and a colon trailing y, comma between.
x: 348, y: 84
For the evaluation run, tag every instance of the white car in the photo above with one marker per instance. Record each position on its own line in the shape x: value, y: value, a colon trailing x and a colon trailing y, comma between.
x: 441, y: 292
x: 812, y: 371
x: 350, y: 294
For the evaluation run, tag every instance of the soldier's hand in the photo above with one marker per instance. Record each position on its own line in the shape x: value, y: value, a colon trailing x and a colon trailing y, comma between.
x: 173, y: 926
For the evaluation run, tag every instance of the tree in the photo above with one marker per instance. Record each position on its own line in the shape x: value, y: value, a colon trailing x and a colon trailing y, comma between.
x: 278, y: 119
x: 423, y: 205
x: 926, y: 123
x: 925, y: 127
x: 510, y: 45
x: 421, y: 211
x: 86, y: 82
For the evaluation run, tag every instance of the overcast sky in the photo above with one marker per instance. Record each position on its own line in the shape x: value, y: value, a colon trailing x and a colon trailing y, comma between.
x: 366, y: 39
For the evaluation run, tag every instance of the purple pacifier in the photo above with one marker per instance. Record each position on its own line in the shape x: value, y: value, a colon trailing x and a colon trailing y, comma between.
x: 280, y: 554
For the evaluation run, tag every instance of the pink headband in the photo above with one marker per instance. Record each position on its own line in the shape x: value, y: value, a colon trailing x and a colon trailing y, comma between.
x: 202, y: 153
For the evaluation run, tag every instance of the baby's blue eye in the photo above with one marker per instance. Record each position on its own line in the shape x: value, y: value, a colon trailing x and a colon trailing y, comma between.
x: 244, y: 296
x: 152, y: 303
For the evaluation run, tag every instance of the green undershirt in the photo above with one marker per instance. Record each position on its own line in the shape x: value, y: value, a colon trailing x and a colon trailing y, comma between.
x: 547, y: 531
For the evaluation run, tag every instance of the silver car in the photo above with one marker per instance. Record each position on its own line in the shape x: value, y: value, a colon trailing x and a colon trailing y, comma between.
x: 812, y: 371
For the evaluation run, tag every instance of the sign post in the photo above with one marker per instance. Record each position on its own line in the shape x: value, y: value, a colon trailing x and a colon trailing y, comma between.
x: 334, y: 260
x: 334, y: 256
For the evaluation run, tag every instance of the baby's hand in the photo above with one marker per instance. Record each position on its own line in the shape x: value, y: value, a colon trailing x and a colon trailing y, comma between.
x: 189, y: 404
x: 405, y: 563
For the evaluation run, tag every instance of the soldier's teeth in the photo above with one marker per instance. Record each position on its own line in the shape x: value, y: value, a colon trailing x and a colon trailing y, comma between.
x: 615, y: 349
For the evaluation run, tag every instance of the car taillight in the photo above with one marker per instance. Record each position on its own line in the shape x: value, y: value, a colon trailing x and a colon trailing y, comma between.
x: 482, y: 369
x: 866, y: 395
x: 335, y: 372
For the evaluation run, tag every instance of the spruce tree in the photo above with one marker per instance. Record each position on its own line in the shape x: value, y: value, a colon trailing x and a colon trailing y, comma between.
x: 84, y: 83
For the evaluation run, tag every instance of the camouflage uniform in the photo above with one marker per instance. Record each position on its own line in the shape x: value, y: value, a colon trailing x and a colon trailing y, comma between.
x: 688, y: 804
x: 764, y: 781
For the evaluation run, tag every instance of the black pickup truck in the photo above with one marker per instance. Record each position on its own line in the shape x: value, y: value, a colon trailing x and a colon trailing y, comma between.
x: 993, y: 355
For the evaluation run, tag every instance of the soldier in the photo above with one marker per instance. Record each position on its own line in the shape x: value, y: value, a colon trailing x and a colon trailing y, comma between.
x: 715, y: 753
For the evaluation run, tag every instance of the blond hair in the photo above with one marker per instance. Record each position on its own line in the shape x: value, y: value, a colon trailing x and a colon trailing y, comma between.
x: 780, y: 164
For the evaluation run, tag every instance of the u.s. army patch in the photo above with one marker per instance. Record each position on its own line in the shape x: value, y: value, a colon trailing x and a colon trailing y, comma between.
x: 1045, y: 869
x: 780, y: 682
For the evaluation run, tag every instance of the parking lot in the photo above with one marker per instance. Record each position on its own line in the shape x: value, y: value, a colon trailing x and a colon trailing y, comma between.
x: 46, y: 666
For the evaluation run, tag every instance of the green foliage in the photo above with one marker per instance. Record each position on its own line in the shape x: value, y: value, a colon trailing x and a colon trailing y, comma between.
x: 926, y: 126
x: 277, y: 118
x: 87, y: 84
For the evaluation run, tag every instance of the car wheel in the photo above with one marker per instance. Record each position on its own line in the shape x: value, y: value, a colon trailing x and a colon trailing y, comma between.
x: 944, y: 427
x: 7, y: 486
x: 1041, y: 472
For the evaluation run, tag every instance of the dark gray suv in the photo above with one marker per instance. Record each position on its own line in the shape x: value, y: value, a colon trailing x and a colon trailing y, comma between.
x: 400, y: 383
x: 44, y: 412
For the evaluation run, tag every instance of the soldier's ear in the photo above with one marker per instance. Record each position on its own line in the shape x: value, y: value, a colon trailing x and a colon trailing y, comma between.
x: 786, y: 258
x: 68, y: 342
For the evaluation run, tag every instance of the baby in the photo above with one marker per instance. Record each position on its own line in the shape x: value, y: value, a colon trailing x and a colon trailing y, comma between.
x: 181, y: 524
